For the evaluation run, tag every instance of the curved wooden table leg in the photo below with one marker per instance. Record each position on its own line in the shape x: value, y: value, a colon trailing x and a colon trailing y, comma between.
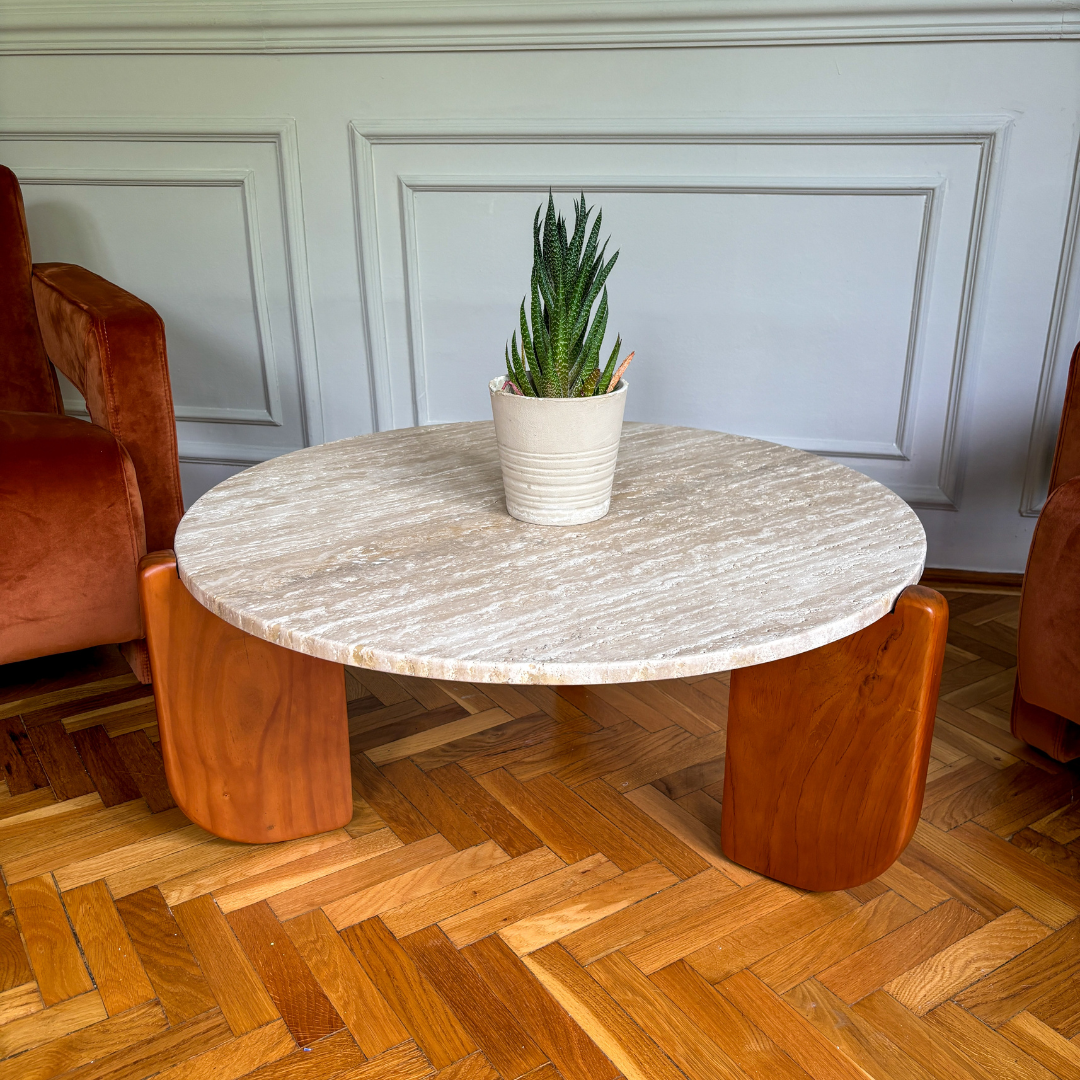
x: 255, y: 737
x: 827, y: 751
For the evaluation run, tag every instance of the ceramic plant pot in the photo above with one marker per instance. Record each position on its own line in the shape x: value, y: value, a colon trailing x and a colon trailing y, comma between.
x: 557, y: 454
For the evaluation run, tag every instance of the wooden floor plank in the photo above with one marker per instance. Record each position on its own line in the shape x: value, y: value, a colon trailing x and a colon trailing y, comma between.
x: 42, y: 1027
x: 237, y: 1057
x: 552, y: 1029
x: 670, y: 1028
x: 517, y: 904
x: 627, y: 1046
x: 19, y: 1001
x: 274, y: 871
x: 114, y: 964
x: 483, y: 1015
x: 14, y: 965
x: 531, y: 809
x: 859, y: 1040
x: 60, y: 760
x: 146, y: 768
x: 460, y: 829
x: 562, y: 919
x: 743, y: 1042
x: 371, y: 871
x: 868, y: 968
x: 415, y: 883
x: 18, y: 759
x: 800, y: 1040
x: 662, y: 845
x: 832, y: 943
x: 50, y: 945
x: 944, y: 974
x: 933, y: 1050
x: 418, y: 1006
x: 1058, y: 1054
x: 462, y: 727
x: 1022, y: 982
x: 508, y: 831
x: 240, y: 994
x: 177, y: 979
x: 692, y: 932
x: 695, y: 834
x: 400, y: 814
x: 617, y: 931
x: 604, y: 836
x: 335, y: 1056
x: 364, y: 1010
x: 105, y: 766
x: 764, y: 936
x: 299, y: 999
x: 978, y: 1043
x: 470, y: 892
x: 82, y: 858
x: 86, y: 1044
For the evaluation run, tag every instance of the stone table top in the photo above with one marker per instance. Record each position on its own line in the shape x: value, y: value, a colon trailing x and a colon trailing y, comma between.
x: 394, y: 551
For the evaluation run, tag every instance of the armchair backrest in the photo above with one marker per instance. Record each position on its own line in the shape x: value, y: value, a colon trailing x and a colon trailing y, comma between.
x: 27, y: 380
x: 1067, y: 453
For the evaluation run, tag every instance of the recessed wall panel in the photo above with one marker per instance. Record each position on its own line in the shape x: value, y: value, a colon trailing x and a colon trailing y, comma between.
x: 184, y: 249
x: 778, y: 313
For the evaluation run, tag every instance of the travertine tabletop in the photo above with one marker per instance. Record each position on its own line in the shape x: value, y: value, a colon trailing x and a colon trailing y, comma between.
x: 394, y: 551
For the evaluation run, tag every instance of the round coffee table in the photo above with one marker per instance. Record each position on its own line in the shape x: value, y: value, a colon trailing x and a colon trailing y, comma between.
x: 395, y: 552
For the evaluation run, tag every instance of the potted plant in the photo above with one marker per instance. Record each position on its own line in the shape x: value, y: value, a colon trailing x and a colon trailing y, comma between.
x: 558, y: 413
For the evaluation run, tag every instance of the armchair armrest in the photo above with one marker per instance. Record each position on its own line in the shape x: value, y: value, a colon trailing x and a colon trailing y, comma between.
x: 111, y: 345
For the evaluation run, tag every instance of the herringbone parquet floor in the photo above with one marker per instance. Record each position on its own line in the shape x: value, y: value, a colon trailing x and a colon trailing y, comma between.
x: 531, y: 886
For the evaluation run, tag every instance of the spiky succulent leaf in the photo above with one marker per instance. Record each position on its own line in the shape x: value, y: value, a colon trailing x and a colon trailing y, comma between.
x: 588, y: 268
x: 609, y: 368
x: 581, y: 223
x: 539, y: 326
x: 551, y: 240
x: 595, y: 287
x: 519, y: 372
x: 591, y: 349
x: 588, y: 384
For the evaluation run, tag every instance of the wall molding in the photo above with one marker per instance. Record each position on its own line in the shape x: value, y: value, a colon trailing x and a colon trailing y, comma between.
x: 988, y: 133
x: 208, y: 453
x: 896, y: 449
x: 242, y: 179
x: 1060, y: 341
x: 281, y: 135
x: 318, y: 26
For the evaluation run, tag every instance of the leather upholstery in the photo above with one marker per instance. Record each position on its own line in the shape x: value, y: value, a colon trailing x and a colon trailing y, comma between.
x: 27, y: 381
x: 78, y: 500
x: 71, y: 537
x: 1046, y: 703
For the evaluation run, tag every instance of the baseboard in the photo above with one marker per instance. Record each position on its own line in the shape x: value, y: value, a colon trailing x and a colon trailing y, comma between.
x: 972, y: 580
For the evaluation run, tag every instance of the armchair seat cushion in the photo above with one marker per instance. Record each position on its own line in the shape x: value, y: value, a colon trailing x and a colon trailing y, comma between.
x: 71, y: 537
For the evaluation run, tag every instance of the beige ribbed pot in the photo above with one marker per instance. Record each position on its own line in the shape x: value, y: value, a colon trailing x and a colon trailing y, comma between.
x: 557, y: 454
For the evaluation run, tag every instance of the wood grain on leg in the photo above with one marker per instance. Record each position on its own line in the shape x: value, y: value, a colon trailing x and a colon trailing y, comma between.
x: 827, y: 751
x: 254, y: 736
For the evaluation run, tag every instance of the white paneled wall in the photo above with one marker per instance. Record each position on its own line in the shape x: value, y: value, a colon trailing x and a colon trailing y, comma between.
x: 850, y: 230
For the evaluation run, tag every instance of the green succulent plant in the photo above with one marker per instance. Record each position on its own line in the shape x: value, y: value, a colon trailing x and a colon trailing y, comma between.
x: 560, y: 355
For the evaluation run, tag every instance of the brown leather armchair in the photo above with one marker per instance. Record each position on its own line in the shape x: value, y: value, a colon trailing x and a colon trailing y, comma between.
x: 1046, y: 701
x: 79, y: 503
